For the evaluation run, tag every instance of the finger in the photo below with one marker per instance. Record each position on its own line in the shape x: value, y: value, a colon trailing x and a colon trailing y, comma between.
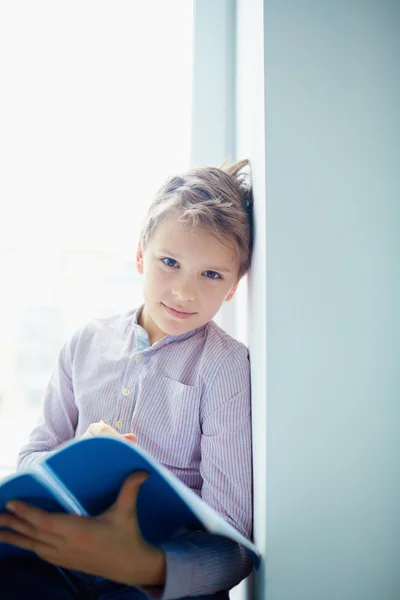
x: 5, y: 519
x: 130, y: 437
x: 27, y: 543
x: 95, y: 428
x: 25, y: 529
x: 90, y: 432
x: 102, y: 428
x: 36, y: 517
x: 19, y: 525
x: 125, y: 505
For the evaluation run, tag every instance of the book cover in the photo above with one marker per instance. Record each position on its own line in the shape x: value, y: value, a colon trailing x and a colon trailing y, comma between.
x: 84, y: 477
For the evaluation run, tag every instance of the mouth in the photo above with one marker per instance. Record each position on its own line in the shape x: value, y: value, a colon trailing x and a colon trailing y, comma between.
x: 179, y: 314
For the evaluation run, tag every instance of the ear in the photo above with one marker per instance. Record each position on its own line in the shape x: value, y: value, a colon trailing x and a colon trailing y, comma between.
x: 139, y: 259
x: 232, y: 292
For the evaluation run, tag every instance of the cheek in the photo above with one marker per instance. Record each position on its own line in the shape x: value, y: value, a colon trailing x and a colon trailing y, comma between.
x: 213, y: 296
x: 157, y: 278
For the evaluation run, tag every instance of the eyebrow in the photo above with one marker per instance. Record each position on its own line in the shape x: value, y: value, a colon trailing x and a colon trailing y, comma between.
x: 214, y: 268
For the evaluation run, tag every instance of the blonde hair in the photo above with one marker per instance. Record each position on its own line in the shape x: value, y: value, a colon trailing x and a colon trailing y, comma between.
x: 216, y: 200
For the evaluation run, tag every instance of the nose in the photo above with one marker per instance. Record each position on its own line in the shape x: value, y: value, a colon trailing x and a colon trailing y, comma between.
x: 184, y: 290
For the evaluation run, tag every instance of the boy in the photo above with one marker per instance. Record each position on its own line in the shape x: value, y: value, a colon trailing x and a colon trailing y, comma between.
x: 165, y: 377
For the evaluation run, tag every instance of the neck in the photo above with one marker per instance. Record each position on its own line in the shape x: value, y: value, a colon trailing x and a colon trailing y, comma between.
x: 154, y: 332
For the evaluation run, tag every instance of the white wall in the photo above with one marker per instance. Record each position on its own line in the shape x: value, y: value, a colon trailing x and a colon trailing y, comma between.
x: 250, y: 143
x: 333, y: 297
x: 324, y: 292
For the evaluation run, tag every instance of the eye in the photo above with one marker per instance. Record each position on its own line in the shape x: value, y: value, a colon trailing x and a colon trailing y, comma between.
x: 212, y: 275
x: 169, y: 262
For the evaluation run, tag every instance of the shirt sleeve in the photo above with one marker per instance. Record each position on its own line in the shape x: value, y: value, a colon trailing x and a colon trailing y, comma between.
x: 199, y: 563
x: 59, y: 415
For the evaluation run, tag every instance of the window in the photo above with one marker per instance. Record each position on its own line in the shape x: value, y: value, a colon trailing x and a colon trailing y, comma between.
x: 95, y: 113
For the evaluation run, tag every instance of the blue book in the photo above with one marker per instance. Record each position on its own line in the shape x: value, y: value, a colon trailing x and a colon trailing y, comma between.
x: 84, y: 477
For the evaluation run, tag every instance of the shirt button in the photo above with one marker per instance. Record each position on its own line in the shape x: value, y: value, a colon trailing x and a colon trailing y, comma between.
x: 138, y: 358
x: 125, y: 391
x: 119, y: 424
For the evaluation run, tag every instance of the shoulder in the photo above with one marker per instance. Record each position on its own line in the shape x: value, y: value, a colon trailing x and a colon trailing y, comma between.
x: 225, y: 374
x: 102, y: 331
x: 222, y: 352
x: 118, y: 323
x: 219, y: 341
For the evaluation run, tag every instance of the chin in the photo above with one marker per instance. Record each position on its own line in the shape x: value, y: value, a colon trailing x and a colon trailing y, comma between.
x: 172, y: 329
x: 176, y: 327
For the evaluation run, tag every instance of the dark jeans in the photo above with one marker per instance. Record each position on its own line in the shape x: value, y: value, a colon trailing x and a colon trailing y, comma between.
x: 27, y: 578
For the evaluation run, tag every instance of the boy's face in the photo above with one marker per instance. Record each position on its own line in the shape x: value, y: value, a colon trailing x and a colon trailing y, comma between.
x: 187, y: 277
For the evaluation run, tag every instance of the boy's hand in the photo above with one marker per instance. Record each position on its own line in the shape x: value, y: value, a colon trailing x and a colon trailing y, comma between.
x: 101, y: 428
x: 109, y: 545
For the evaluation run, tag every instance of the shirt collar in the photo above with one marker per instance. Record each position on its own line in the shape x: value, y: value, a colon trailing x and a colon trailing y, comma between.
x: 142, y: 337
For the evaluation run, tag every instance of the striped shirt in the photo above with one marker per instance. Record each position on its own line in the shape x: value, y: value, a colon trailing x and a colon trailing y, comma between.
x: 187, y: 399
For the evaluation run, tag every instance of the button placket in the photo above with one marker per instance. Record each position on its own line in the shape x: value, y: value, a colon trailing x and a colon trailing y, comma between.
x: 126, y: 391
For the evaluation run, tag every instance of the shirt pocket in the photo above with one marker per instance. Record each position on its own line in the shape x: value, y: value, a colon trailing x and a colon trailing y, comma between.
x: 167, y: 423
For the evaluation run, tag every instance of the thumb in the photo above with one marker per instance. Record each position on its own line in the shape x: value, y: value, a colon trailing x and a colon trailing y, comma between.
x: 126, y: 502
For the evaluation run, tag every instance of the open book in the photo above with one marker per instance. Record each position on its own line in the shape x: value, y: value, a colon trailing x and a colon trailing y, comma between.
x: 84, y: 477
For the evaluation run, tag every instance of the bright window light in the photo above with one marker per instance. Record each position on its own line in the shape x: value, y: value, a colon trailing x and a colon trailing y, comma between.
x: 95, y: 113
